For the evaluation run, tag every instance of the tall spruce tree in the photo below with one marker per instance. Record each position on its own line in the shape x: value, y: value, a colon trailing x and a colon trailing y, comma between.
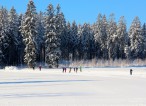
x: 74, y: 40
x: 137, y: 40
x: 79, y: 43
x: 4, y: 37
x: 67, y: 39
x: 29, y: 33
x: 40, y: 37
x: 85, y: 41
x: 52, y: 50
x: 122, y: 37
x: 112, y: 38
x: 13, y: 35
x: 60, y: 29
x: 103, y: 38
x: 21, y: 45
x: 98, y: 35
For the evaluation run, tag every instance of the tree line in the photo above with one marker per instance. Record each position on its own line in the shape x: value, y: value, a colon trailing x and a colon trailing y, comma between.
x: 46, y: 37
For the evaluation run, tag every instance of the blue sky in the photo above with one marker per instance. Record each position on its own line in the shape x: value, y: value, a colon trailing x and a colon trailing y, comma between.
x: 87, y: 10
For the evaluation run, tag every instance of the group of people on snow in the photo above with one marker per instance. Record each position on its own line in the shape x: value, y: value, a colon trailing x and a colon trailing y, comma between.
x: 70, y: 69
x: 75, y: 69
x: 64, y: 69
x: 40, y: 67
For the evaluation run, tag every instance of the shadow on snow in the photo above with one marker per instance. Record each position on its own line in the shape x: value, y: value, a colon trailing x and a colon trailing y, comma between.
x: 33, y: 82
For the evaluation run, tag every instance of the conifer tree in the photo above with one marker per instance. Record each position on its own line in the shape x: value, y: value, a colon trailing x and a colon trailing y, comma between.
x: 122, y: 37
x: 40, y: 37
x: 13, y: 36
x: 29, y: 33
x: 112, y: 38
x: 52, y: 50
x: 98, y: 35
x: 4, y: 38
x: 137, y: 40
x: 74, y: 39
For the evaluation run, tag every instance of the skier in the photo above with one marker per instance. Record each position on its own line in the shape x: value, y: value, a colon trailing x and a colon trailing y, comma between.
x: 63, y: 69
x: 40, y: 67
x: 69, y: 69
x: 131, y: 71
x: 76, y: 69
x: 33, y: 67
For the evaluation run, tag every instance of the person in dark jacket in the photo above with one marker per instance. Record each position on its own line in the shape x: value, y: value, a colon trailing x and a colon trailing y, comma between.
x: 33, y: 67
x: 40, y: 67
x: 131, y: 71
x: 76, y: 69
x: 63, y: 69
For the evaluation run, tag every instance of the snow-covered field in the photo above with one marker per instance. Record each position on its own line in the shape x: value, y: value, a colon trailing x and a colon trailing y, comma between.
x: 92, y: 87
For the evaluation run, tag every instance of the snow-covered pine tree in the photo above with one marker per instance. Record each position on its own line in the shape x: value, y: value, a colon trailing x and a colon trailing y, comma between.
x: 103, y: 39
x: 97, y: 35
x: 144, y: 35
x: 85, y: 41
x: 79, y: 43
x: 112, y: 43
x: 66, y: 41
x: 91, y: 48
x: 13, y: 36
x: 4, y: 38
x: 74, y: 40
x: 60, y: 29
x: 137, y: 40
x: 144, y: 29
x: 29, y: 32
x: 122, y: 37
x: 101, y: 36
x: 40, y: 37
x: 20, y: 39
x: 52, y: 51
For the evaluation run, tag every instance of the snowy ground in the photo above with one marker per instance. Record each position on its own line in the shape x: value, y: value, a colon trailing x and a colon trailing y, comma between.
x: 92, y: 87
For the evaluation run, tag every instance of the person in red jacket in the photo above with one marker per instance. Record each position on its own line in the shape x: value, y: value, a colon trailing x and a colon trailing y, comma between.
x: 40, y: 67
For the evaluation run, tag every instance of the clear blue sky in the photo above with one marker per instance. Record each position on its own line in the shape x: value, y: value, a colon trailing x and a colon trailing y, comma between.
x: 87, y: 10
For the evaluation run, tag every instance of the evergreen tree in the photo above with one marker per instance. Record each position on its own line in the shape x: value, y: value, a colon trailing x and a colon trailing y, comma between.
x: 103, y: 38
x: 60, y: 29
x: 91, y: 47
x: 29, y: 33
x: 74, y: 40
x: 144, y: 29
x: 112, y: 38
x: 13, y: 36
x: 79, y: 42
x: 21, y: 45
x: 4, y: 38
x: 85, y: 41
x: 40, y: 37
x: 52, y: 50
x: 98, y: 35
x: 144, y: 36
x: 137, y: 40
x: 67, y: 43
x: 122, y: 39
x: 64, y: 41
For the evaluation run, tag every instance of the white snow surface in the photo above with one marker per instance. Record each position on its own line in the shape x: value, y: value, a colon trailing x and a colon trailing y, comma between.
x: 91, y: 87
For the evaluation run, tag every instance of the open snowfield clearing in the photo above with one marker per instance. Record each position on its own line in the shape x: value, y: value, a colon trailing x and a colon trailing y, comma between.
x: 92, y: 87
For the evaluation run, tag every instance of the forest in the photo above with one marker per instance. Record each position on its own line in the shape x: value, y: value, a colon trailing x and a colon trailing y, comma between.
x: 46, y: 37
